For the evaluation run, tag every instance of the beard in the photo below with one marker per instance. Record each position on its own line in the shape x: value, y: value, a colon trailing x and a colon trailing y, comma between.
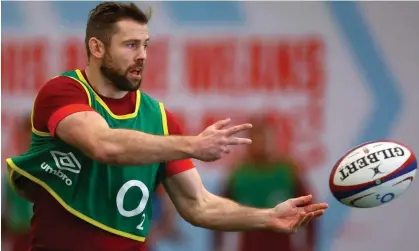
x: 117, y: 77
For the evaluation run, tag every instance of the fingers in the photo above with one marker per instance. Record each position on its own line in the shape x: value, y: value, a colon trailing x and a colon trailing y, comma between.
x: 318, y: 213
x: 239, y: 141
x: 307, y: 219
x: 310, y: 216
x: 221, y: 123
x: 303, y: 200
x: 307, y: 213
x: 315, y: 207
x: 226, y: 150
x: 302, y: 217
x: 238, y: 128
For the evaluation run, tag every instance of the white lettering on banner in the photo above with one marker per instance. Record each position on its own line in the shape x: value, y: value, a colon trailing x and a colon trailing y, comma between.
x: 24, y: 55
x: 245, y: 65
x: 141, y: 206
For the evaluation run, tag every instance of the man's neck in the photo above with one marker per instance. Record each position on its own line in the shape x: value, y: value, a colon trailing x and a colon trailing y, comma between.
x: 102, y: 85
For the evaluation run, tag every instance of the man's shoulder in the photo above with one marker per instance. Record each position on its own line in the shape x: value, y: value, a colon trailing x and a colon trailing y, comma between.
x: 60, y: 79
x: 59, y: 91
x: 60, y: 83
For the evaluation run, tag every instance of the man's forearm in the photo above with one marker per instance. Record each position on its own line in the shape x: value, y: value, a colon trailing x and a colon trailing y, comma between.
x: 128, y: 147
x: 222, y: 214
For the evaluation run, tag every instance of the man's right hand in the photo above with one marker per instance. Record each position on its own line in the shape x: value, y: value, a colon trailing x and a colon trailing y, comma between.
x: 215, y: 140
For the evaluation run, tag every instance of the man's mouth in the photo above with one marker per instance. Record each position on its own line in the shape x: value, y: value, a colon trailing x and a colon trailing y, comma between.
x: 136, y: 71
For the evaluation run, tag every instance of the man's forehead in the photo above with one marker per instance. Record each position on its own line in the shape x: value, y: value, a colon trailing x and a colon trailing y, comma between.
x: 132, y: 30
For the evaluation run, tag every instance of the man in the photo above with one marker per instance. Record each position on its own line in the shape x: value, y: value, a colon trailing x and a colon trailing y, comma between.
x: 97, y: 154
x: 263, y: 179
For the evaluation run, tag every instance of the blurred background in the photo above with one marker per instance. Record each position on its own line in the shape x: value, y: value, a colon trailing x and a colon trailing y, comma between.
x: 315, y: 78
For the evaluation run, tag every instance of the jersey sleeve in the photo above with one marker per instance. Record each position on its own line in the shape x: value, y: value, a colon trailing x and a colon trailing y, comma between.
x: 57, y: 99
x: 176, y: 166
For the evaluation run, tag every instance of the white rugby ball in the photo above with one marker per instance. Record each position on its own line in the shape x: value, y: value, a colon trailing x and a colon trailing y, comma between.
x: 373, y: 174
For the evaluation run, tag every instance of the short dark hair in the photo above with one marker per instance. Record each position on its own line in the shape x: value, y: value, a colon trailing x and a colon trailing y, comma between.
x: 102, y: 20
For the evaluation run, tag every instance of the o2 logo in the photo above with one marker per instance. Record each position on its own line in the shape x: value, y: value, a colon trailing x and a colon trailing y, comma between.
x: 385, y: 198
x: 141, y: 206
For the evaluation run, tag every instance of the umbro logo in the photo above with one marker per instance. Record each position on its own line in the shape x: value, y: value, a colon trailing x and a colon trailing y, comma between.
x: 66, y: 161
